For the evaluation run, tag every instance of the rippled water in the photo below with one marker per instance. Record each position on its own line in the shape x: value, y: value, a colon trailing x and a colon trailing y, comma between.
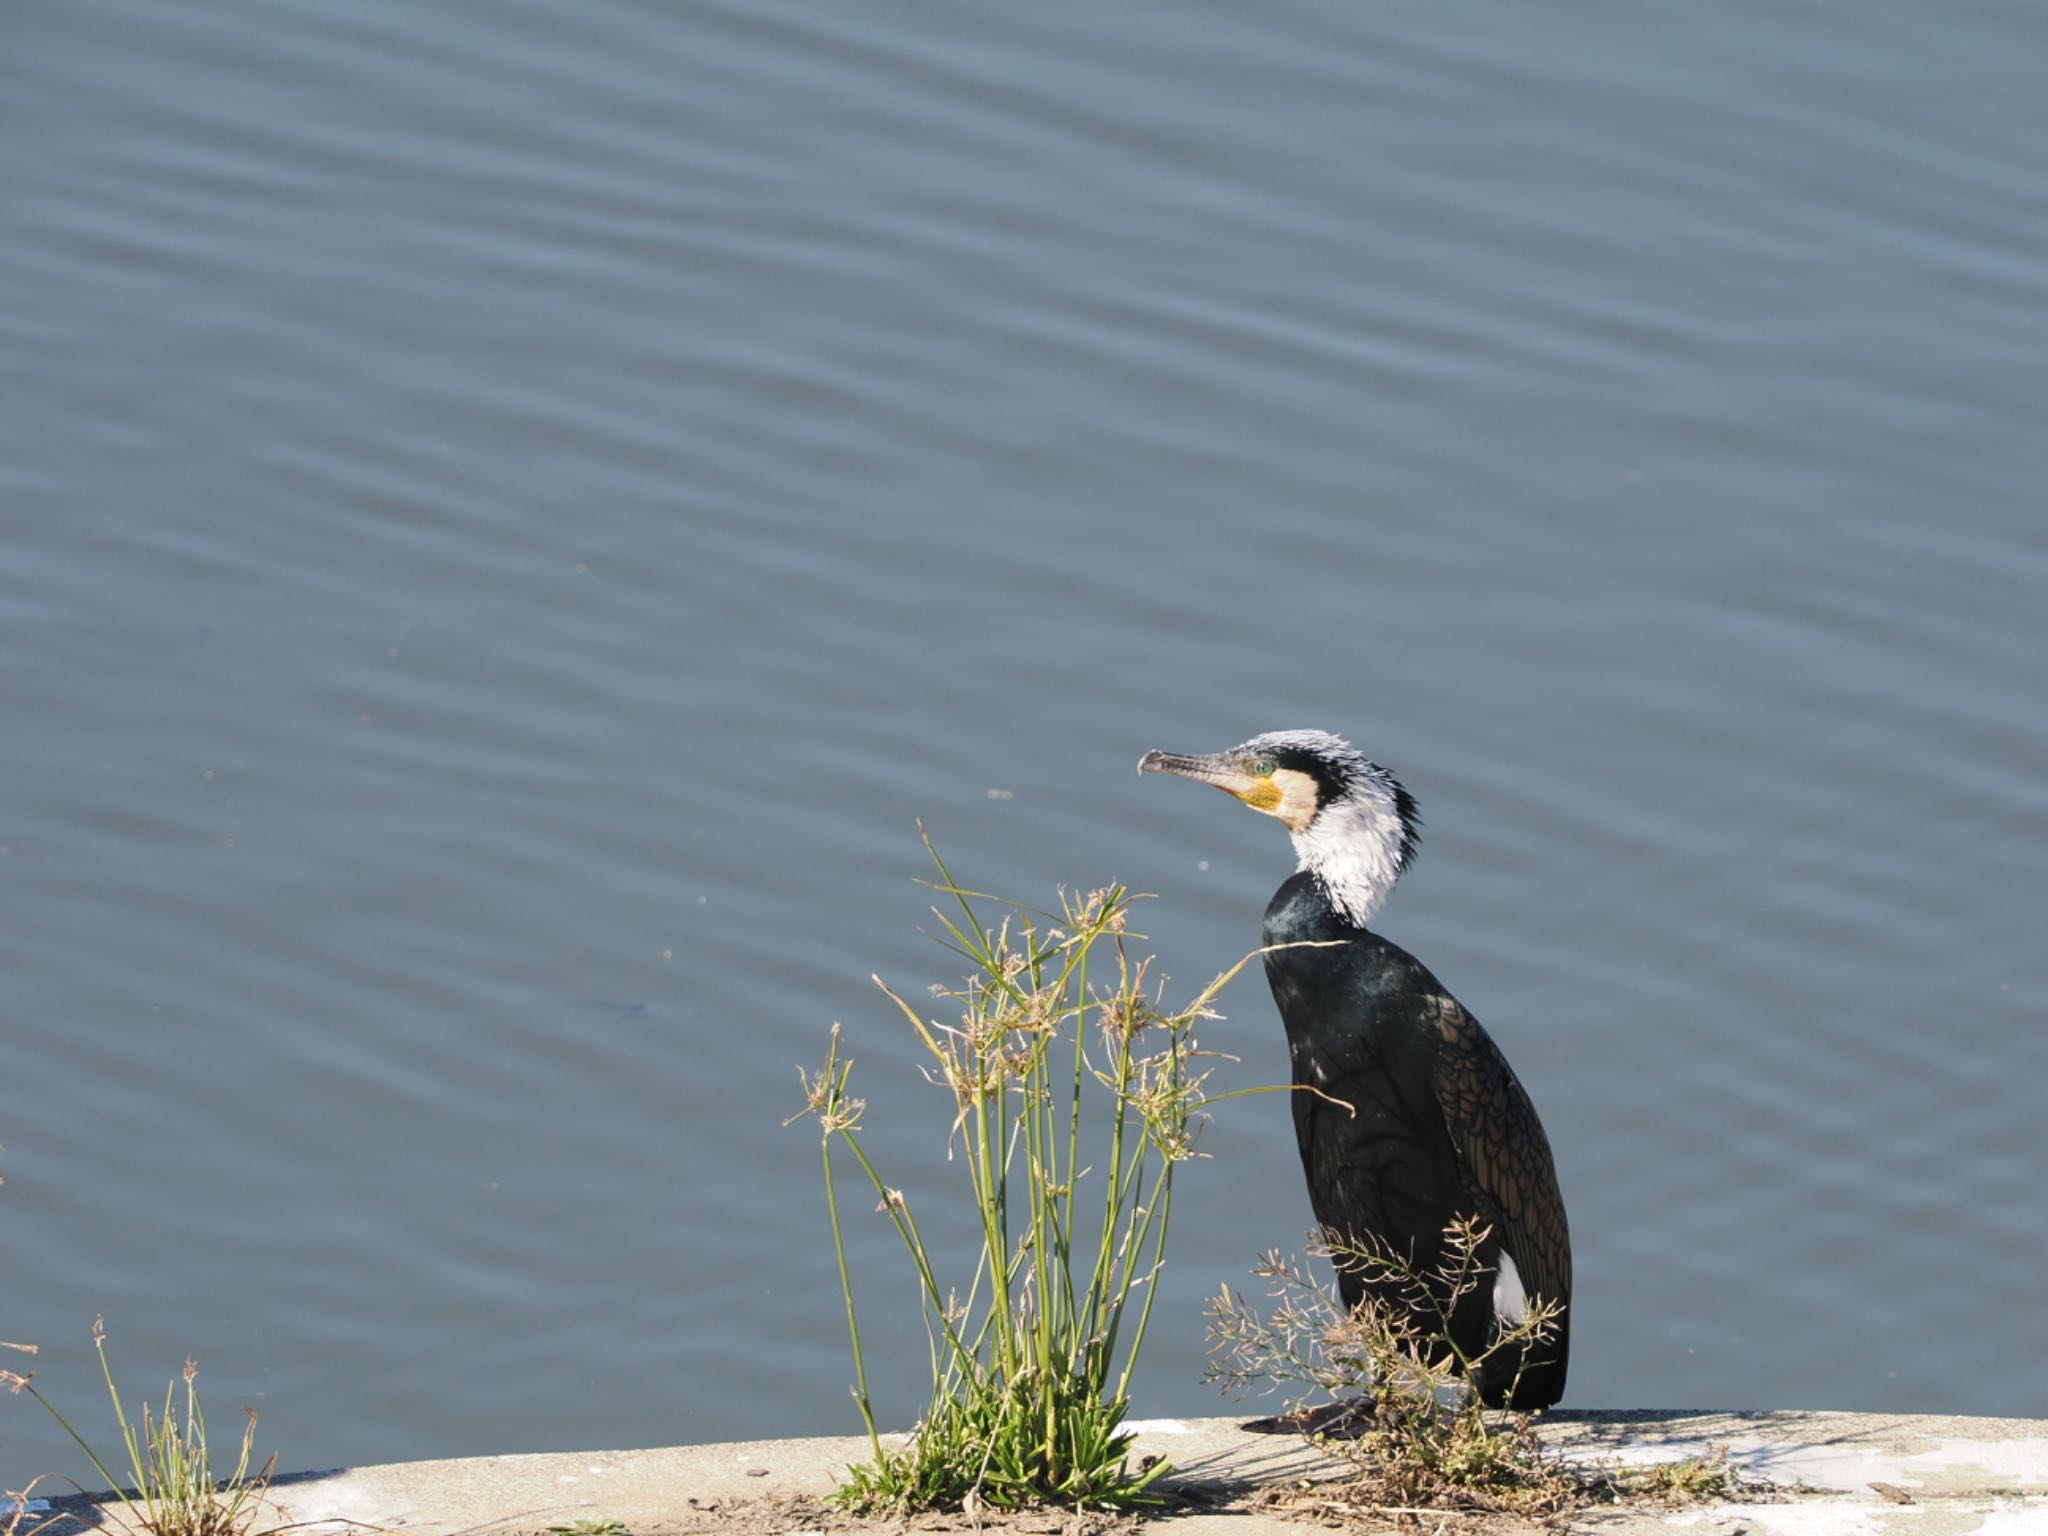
x: 512, y: 513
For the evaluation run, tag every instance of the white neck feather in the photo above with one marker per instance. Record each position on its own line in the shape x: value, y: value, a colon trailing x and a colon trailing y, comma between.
x: 1353, y: 848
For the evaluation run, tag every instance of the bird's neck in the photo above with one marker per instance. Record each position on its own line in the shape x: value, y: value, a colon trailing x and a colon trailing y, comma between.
x: 1353, y: 851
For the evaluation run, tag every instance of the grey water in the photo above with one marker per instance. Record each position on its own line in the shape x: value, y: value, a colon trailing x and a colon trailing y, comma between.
x: 510, y: 515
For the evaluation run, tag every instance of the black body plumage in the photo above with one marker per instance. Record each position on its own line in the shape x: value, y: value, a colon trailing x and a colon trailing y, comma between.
x: 1430, y: 1125
x: 1407, y: 1115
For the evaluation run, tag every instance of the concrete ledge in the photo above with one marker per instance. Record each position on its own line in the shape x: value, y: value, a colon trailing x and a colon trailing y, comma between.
x: 1945, y: 1476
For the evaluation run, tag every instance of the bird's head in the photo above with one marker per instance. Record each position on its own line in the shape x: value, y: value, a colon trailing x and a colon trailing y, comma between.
x: 1353, y: 824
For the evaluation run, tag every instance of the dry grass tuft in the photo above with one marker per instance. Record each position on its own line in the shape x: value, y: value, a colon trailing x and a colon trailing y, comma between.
x: 170, y: 1489
x: 1419, y: 1445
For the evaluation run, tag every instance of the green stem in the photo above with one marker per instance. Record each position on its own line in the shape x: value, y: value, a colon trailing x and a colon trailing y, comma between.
x: 1114, y: 1185
x: 906, y: 1228
x: 1077, y: 967
x: 860, y: 1373
x: 1162, y: 1204
x: 77, y: 1439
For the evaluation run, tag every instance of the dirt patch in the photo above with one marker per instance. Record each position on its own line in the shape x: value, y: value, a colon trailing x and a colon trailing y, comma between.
x: 796, y: 1516
x: 1338, y: 1506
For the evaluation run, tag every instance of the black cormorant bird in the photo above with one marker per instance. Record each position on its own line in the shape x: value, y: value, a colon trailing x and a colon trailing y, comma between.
x: 1428, y: 1122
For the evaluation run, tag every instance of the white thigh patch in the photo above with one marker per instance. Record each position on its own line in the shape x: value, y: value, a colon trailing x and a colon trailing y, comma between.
x: 1510, y: 1301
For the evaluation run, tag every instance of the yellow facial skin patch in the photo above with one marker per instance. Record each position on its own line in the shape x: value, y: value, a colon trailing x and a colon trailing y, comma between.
x: 1260, y: 795
x: 1285, y: 793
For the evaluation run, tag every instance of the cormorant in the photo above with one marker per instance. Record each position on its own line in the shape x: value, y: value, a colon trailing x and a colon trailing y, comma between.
x: 1429, y: 1123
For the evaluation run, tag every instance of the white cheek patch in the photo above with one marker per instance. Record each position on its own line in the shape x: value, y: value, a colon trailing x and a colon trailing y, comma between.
x: 1510, y: 1301
x: 1298, y: 796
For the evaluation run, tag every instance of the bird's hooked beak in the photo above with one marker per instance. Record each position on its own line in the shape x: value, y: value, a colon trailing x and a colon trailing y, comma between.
x: 1222, y: 769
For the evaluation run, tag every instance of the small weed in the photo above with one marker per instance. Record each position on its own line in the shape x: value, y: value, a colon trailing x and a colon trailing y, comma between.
x: 1398, y: 1411
x: 169, y: 1463
x: 590, y: 1528
x: 1413, y: 1434
x: 1690, y: 1480
x: 1031, y: 1369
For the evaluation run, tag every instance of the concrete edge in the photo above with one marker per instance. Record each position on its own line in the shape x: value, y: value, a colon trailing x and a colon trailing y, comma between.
x: 1940, y: 1477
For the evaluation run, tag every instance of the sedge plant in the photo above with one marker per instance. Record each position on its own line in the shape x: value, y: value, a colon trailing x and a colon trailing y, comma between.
x: 170, y: 1488
x: 1073, y: 1096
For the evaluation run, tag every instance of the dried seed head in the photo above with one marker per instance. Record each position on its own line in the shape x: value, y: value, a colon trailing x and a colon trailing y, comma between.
x: 816, y: 1093
x: 844, y: 1115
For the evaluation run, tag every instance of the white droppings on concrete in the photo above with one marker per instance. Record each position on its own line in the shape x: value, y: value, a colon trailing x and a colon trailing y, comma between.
x: 2012, y: 1517
x: 1850, y: 1467
x: 338, y: 1500
x: 1829, y: 1466
x: 1997, y: 1517
x: 2023, y: 1461
x: 1805, y: 1519
x: 1157, y: 1427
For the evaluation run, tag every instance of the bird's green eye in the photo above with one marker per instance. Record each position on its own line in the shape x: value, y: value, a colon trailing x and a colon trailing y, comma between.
x: 1263, y: 768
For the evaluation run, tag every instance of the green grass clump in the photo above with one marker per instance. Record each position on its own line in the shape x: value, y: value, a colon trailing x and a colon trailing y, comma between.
x: 170, y: 1489
x: 1031, y: 1367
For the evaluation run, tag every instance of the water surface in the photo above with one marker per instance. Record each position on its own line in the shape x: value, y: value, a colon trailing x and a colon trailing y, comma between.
x: 512, y: 515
